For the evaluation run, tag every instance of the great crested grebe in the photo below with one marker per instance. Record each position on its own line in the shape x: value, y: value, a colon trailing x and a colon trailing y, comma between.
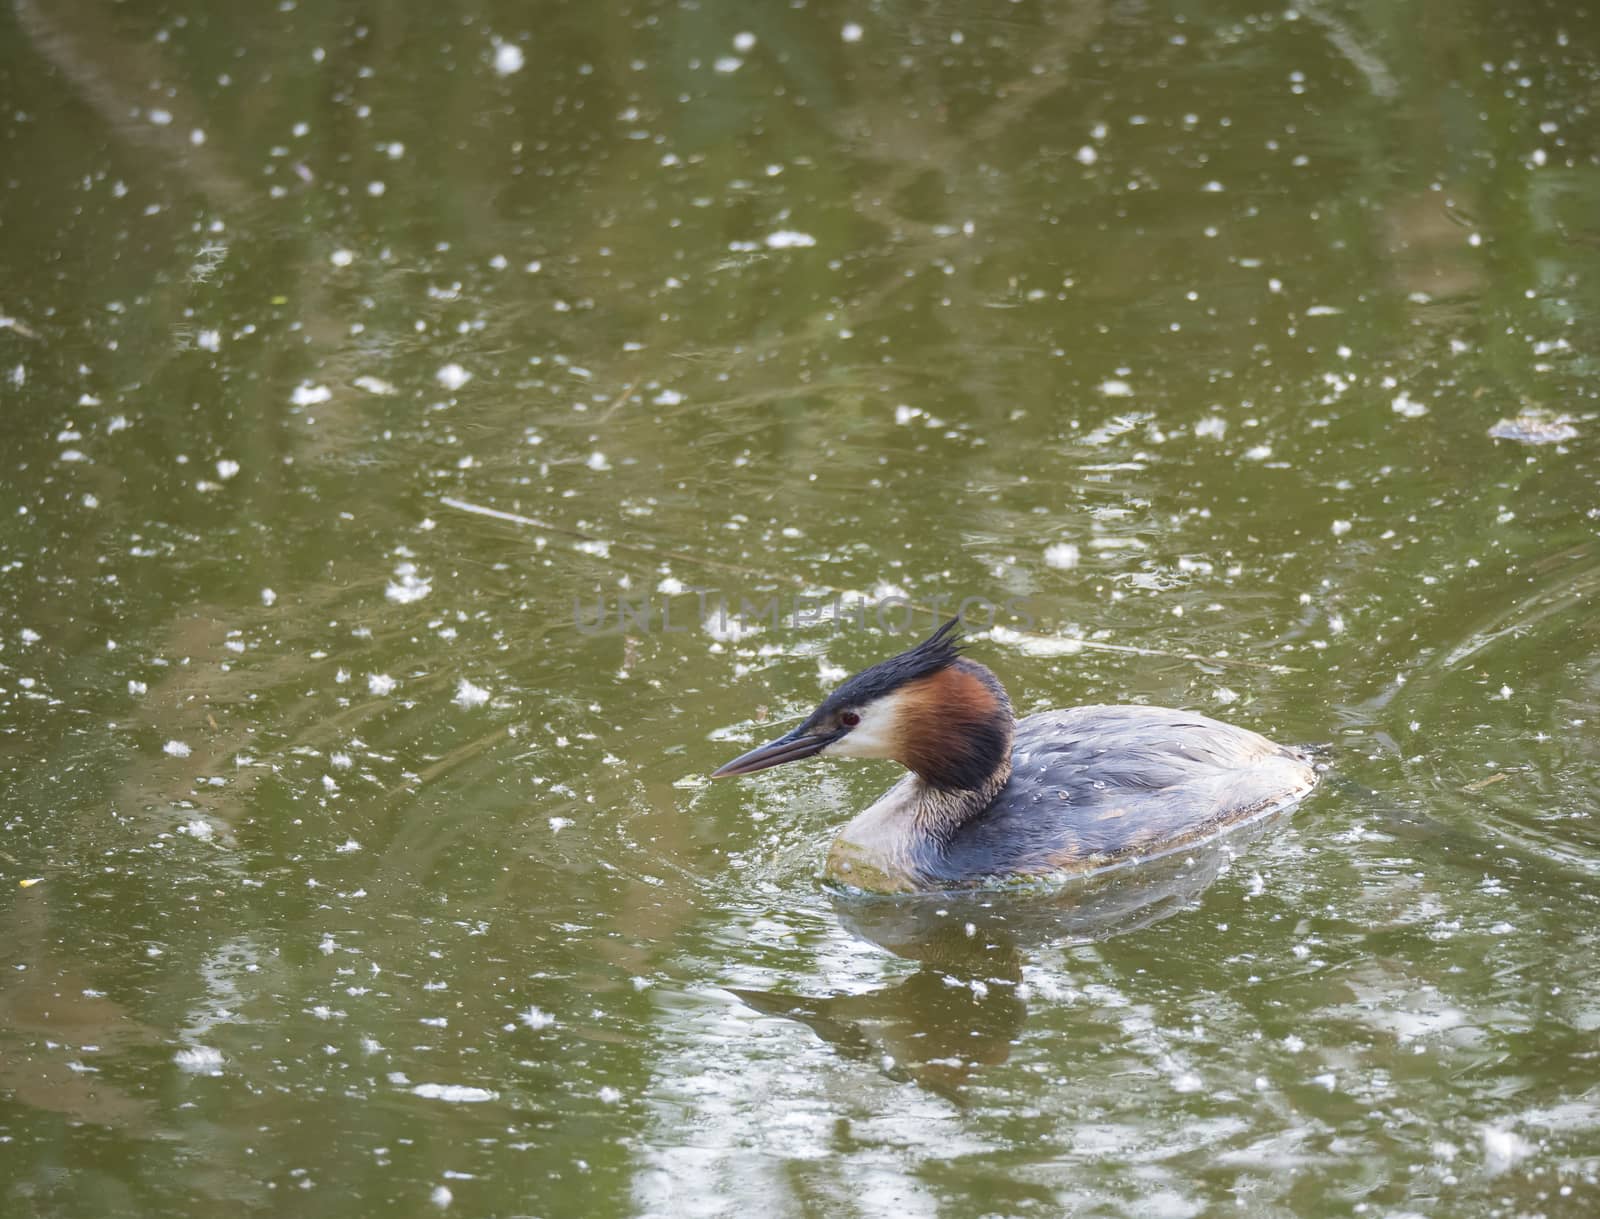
x: 993, y: 798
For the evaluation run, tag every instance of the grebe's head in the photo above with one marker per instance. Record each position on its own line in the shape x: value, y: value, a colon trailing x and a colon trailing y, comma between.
x: 939, y: 714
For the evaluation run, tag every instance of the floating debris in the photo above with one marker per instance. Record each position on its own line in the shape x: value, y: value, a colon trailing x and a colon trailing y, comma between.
x: 200, y: 1058
x: 1535, y: 427
x: 456, y: 1093
x: 469, y: 695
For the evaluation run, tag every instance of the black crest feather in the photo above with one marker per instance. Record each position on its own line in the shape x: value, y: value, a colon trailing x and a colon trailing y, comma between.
x: 938, y: 651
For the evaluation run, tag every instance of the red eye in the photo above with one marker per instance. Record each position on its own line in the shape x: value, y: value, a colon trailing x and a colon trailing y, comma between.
x: 849, y: 719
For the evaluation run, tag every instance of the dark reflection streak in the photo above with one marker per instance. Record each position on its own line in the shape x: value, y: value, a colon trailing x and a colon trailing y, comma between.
x: 1380, y: 80
x: 112, y: 75
x: 965, y: 1009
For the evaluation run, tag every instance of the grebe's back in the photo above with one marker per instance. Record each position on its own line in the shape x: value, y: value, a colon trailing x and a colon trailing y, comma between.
x: 1091, y: 787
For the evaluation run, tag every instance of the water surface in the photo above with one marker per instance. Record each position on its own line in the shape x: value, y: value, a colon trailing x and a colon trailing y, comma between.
x: 355, y: 359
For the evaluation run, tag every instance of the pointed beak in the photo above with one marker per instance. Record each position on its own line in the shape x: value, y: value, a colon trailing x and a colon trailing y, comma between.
x: 790, y: 747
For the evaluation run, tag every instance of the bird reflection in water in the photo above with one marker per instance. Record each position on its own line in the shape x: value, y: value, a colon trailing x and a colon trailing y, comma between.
x: 967, y: 1005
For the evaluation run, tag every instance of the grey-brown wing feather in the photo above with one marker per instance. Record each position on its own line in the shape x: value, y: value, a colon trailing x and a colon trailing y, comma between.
x: 1093, y: 786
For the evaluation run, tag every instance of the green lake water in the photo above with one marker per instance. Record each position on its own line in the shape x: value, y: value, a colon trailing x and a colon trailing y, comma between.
x: 386, y: 388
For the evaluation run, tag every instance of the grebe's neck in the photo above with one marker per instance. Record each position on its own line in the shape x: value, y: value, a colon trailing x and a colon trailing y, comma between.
x: 957, y: 742
x: 888, y: 847
x: 937, y: 813
x: 954, y: 735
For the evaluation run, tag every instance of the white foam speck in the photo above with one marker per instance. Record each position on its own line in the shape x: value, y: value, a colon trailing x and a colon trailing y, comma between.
x: 199, y: 1058
x: 508, y: 58
x: 1063, y: 555
x: 1503, y: 1149
x: 668, y: 397
x: 341, y: 258
x: 380, y: 684
x: 374, y: 385
x: 469, y: 695
x: 176, y: 749
x: 452, y: 376
x: 851, y: 32
x: 1340, y: 528
x: 348, y: 846
x: 209, y: 340
x: 306, y: 394
x: 1087, y: 155
x: 598, y: 461
x: 1036, y: 645
x: 610, y: 1095
x: 536, y: 1018
x: 744, y: 41
x: 727, y: 64
x: 199, y: 830
x: 1116, y: 389
x: 407, y: 586
x: 441, y: 1196
x: 1408, y: 407
x: 789, y: 239
x: 1224, y: 695
x: 1212, y: 428
x: 161, y: 118
x: 459, y: 1094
